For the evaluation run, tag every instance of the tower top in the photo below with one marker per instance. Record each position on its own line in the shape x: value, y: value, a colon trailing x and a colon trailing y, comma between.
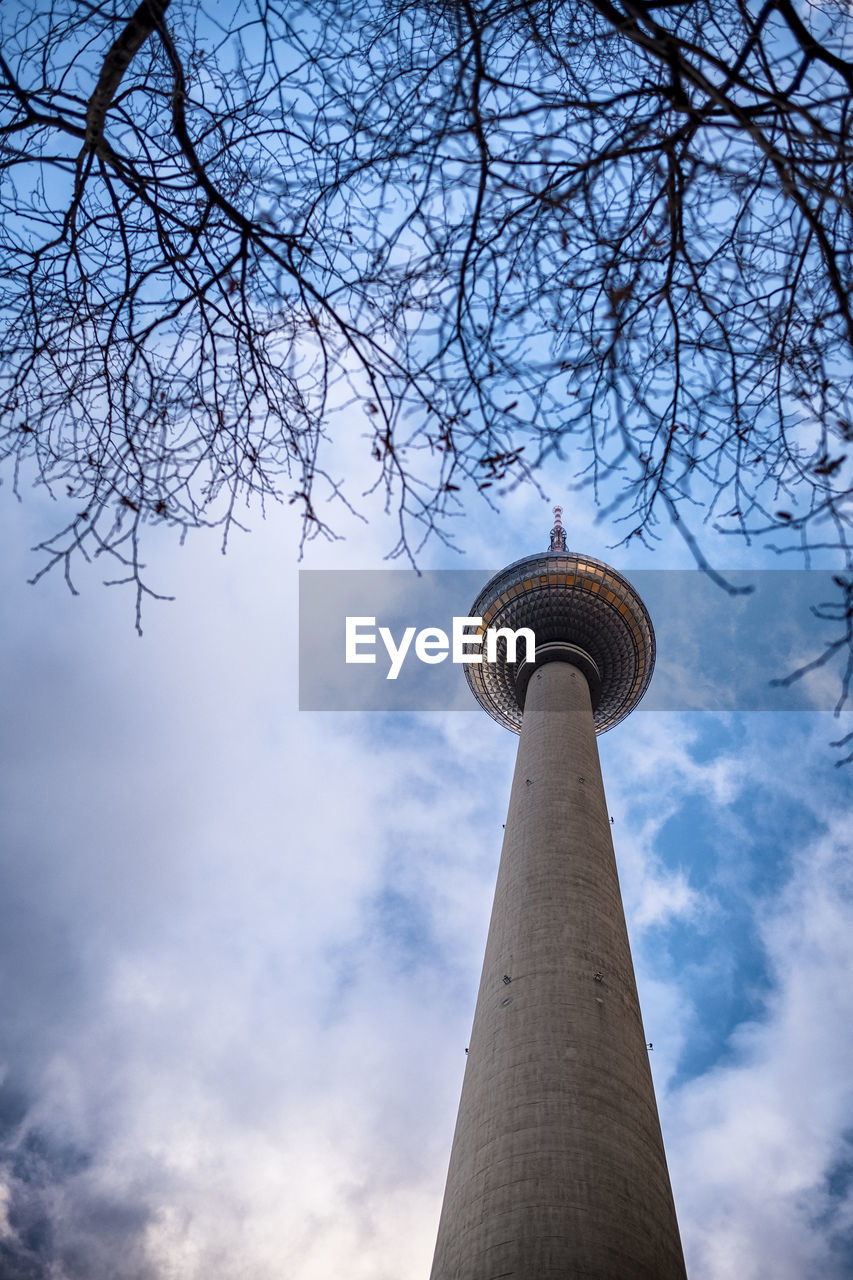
x: 566, y: 599
x: 558, y: 533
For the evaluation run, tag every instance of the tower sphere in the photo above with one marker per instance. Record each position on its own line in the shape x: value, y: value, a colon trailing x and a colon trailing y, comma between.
x: 586, y: 613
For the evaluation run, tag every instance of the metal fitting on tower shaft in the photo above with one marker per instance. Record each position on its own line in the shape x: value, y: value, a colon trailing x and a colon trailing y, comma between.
x: 557, y: 1169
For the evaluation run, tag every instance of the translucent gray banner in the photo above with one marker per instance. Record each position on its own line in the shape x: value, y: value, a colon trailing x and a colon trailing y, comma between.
x: 715, y: 651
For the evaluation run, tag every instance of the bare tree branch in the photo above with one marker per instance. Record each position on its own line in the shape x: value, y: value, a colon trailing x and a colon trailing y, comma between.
x: 615, y: 237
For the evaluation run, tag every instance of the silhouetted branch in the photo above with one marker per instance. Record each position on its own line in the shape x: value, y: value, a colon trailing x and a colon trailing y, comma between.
x: 481, y: 237
x: 832, y: 611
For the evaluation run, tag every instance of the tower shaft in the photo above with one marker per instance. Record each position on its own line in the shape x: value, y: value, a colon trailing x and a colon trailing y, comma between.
x: 557, y: 1168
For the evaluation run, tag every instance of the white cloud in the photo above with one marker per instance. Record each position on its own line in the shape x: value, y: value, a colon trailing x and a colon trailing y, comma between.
x: 756, y: 1139
x: 244, y: 946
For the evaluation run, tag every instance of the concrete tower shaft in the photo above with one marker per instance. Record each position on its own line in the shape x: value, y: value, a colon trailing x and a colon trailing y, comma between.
x: 557, y: 1168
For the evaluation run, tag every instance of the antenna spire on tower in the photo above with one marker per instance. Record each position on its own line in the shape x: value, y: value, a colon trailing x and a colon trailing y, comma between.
x: 558, y: 533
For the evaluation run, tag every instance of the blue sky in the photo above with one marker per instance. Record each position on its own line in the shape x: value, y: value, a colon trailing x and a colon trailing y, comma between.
x: 241, y: 943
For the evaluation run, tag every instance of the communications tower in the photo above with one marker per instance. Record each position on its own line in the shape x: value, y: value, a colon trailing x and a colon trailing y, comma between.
x: 557, y: 1169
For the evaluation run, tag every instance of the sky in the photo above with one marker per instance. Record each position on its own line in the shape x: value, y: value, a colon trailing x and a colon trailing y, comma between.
x: 241, y: 942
